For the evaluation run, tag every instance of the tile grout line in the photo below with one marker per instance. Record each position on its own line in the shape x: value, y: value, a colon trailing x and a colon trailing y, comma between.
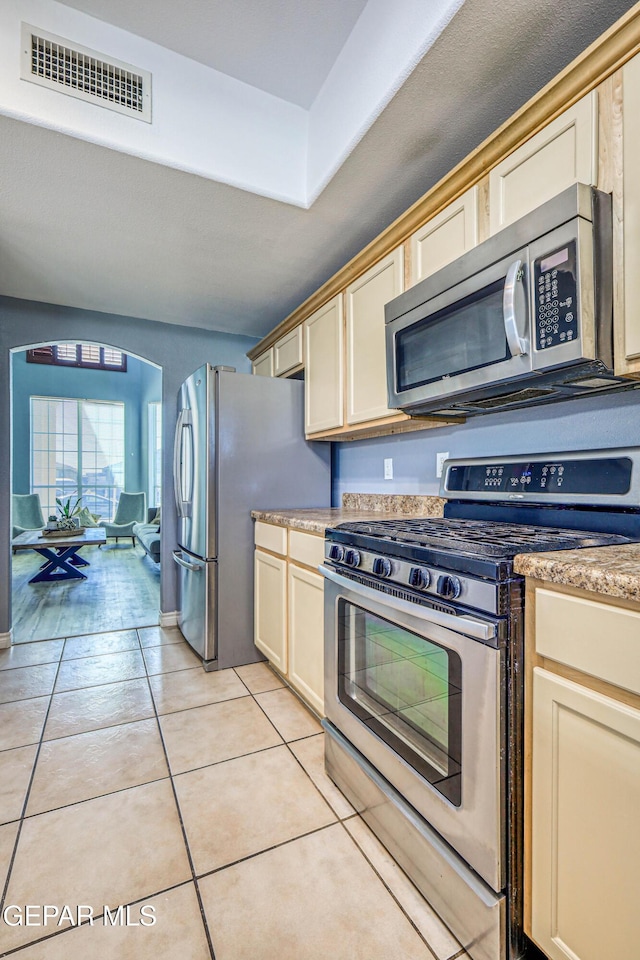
x: 194, y: 878
x: 390, y: 891
x: 29, y: 785
x: 258, y: 853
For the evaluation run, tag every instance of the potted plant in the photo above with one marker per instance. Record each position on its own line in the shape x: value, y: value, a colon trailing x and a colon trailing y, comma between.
x: 52, y: 522
x: 67, y: 519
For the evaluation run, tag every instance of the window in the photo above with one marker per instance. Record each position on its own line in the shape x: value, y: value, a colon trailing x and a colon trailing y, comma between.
x: 77, y: 450
x: 85, y: 355
x: 155, y: 453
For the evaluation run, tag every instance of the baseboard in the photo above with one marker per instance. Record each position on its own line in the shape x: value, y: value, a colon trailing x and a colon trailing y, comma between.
x: 6, y: 639
x: 169, y: 619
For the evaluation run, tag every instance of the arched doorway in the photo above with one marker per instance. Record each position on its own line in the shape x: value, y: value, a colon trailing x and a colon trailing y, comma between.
x: 86, y: 424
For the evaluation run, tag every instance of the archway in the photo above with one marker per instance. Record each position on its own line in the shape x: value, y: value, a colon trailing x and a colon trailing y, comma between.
x: 84, y: 427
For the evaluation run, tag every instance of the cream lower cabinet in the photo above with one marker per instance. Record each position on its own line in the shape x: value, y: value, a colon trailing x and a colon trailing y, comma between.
x: 289, y: 607
x: 584, y: 777
x: 306, y: 634
x: 586, y: 833
x: 270, y: 608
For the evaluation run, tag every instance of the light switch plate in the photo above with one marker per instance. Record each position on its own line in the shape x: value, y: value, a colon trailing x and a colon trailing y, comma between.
x: 440, y: 459
x: 388, y: 468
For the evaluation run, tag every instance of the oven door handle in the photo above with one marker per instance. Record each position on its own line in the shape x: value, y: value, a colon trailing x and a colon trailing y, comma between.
x: 470, y: 625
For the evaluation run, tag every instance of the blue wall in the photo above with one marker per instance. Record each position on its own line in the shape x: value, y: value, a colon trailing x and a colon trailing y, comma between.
x: 141, y: 383
x: 583, y: 424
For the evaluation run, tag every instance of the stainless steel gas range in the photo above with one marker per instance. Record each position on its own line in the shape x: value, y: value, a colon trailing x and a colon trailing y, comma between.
x: 423, y: 671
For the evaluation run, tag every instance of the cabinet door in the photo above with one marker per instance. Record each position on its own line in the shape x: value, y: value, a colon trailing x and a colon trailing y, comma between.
x: 564, y: 152
x: 450, y: 234
x: 631, y: 216
x: 324, y: 368
x: 270, y: 608
x: 366, y: 353
x: 263, y: 366
x: 585, y: 836
x: 306, y: 635
x: 287, y: 353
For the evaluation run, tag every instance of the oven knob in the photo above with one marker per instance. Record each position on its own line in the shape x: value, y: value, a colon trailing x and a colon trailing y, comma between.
x: 336, y: 552
x: 382, y: 567
x: 448, y: 587
x: 419, y: 577
x: 352, y: 558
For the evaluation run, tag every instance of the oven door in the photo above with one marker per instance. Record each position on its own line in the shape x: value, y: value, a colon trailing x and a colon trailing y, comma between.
x: 417, y: 692
x: 475, y: 334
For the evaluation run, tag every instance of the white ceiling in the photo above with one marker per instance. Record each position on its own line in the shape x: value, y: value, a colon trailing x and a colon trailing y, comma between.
x: 90, y: 227
x: 284, y: 47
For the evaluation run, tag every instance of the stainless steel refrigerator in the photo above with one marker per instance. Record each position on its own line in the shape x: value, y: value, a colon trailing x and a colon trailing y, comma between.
x: 239, y: 446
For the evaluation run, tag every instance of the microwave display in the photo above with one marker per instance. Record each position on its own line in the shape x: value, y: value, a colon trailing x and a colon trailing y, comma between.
x: 555, y: 292
x: 465, y: 336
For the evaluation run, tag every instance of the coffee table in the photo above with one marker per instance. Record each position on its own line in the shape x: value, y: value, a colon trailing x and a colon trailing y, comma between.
x: 61, y: 554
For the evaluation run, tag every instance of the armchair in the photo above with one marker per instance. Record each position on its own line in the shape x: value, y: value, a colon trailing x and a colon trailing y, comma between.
x: 131, y: 510
x: 26, y: 513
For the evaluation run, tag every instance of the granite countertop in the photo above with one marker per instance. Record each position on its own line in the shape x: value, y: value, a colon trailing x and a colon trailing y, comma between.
x: 355, y: 506
x: 612, y: 571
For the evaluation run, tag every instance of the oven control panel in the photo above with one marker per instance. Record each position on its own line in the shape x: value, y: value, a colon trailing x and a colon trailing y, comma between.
x: 606, y: 475
x: 555, y: 292
x: 444, y: 585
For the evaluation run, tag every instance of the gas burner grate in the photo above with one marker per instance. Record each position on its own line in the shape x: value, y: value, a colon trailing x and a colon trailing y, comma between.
x: 479, y: 537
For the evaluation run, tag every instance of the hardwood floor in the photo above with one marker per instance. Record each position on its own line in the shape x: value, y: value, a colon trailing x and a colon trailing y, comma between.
x: 122, y: 590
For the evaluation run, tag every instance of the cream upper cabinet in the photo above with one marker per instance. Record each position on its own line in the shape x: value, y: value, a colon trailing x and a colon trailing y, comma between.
x: 564, y: 152
x: 287, y: 352
x: 306, y: 634
x: 263, y: 366
x: 446, y: 237
x: 631, y: 215
x: 366, y: 355
x: 585, y: 836
x: 324, y: 367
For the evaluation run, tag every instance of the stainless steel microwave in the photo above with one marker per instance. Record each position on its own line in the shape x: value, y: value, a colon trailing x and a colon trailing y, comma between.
x: 525, y: 317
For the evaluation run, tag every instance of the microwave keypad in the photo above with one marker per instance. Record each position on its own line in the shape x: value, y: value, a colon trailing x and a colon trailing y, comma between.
x: 555, y: 291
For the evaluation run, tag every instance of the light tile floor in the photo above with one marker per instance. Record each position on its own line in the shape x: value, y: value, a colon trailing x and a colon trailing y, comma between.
x: 130, y: 777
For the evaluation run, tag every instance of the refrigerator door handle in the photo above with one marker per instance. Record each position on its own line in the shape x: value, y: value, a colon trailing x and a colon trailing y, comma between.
x: 183, y: 424
x: 185, y: 563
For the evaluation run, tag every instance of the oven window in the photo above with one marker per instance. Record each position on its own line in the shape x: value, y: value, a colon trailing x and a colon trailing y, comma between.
x: 407, y: 690
x: 465, y: 336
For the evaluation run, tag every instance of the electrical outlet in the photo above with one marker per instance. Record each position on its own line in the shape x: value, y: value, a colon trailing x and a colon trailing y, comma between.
x: 440, y: 459
x: 388, y: 468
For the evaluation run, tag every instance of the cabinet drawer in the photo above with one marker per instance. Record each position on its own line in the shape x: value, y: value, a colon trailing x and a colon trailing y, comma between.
x: 288, y: 352
x: 306, y: 548
x: 271, y: 537
x: 597, y: 638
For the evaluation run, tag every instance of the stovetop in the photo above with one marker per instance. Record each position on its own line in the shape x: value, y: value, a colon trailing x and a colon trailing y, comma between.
x: 477, y: 538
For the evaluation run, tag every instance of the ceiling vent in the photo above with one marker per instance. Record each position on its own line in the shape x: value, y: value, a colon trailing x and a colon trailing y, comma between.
x: 69, y: 68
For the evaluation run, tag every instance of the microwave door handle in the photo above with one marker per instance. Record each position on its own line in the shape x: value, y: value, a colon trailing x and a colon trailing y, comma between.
x: 517, y: 345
